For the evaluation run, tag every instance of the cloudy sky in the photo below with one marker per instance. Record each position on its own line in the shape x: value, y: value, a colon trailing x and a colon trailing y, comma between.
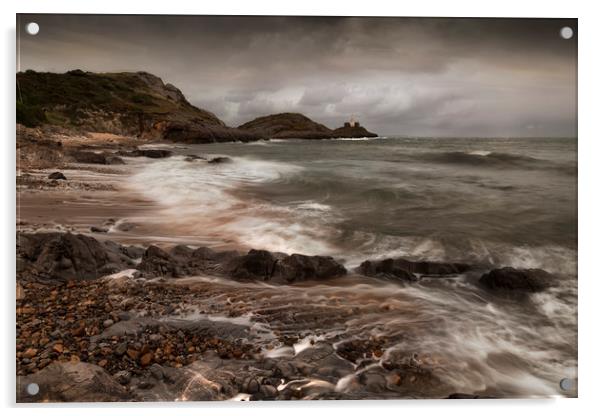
x: 407, y: 76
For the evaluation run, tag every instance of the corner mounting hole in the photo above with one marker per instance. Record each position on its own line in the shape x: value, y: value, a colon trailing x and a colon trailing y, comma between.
x: 566, y: 32
x: 567, y: 384
x: 32, y: 28
x: 33, y: 389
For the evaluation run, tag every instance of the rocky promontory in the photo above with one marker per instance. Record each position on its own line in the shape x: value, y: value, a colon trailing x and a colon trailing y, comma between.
x: 126, y: 103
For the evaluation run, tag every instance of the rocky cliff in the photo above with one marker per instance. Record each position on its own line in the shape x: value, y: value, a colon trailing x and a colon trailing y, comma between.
x: 134, y: 104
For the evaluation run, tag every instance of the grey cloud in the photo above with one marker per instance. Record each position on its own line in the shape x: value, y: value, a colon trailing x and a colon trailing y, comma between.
x: 414, y: 76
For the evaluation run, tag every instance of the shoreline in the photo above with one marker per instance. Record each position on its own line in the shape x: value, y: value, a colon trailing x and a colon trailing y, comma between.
x: 147, y: 330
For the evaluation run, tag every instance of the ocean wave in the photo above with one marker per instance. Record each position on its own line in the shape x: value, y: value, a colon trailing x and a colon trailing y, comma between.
x: 499, y: 160
x: 210, y: 200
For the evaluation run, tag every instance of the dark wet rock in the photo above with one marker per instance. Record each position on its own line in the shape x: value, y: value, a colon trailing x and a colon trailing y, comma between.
x: 322, y: 362
x: 511, y: 280
x: 156, y: 371
x: 197, y: 382
x: 405, y: 270
x: 298, y: 267
x: 123, y: 377
x: 267, y: 392
x: 192, y: 158
x: 81, y: 156
x: 150, y: 153
x: 360, y: 351
x: 388, y: 269
x: 95, y: 229
x: 156, y: 262
x: 280, y: 268
x: 113, y: 160
x: 125, y: 226
x: 57, y: 176
x: 255, y: 265
x: 220, y: 159
x: 66, y: 256
x: 251, y: 385
x: 72, y: 382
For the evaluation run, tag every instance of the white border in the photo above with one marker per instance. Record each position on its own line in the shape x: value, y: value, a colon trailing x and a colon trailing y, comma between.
x: 590, y: 206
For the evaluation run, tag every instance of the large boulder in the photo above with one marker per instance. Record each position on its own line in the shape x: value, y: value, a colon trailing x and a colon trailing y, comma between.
x: 157, y: 262
x: 405, y: 270
x: 282, y: 268
x: 298, y: 267
x: 71, y: 382
x: 255, y: 265
x: 511, y: 280
x: 66, y: 256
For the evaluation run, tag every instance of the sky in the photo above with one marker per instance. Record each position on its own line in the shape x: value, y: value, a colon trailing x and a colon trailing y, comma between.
x: 397, y: 76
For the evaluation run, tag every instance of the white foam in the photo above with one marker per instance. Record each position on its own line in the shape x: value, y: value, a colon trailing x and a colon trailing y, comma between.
x: 203, y: 200
x: 480, y: 153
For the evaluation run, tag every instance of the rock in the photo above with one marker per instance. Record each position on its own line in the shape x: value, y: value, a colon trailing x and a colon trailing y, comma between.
x: 132, y: 353
x: 147, y: 359
x: 20, y: 292
x: 278, y: 268
x: 220, y: 159
x: 107, y: 323
x: 387, y: 269
x: 123, y: 377
x: 255, y: 265
x: 298, y: 267
x: 124, y: 316
x: 71, y: 382
x: 81, y: 156
x: 146, y: 384
x: 66, y: 256
x: 57, y: 176
x: 150, y: 153
x: 156, y: 262
x: 352, y: 131
x: 113, y: 160
x: 511, y: 280
x: 192, y: 158
x: 99, y: 229
x: 405, y: 270
x: 30, y: 353
x: 268, y: 392
x: 156, y: 371
x: 251, y: 385
x: 121, y: 348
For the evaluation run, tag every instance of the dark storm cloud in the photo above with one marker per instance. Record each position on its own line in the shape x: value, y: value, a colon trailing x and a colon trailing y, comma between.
x: 408, y: 76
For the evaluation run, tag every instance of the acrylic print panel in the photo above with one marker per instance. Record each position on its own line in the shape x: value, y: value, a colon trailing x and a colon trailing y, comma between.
x: 282, y: 208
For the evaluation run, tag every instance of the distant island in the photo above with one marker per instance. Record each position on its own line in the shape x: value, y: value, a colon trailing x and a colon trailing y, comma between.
x: 298, y: 126
x: 140, y: 104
